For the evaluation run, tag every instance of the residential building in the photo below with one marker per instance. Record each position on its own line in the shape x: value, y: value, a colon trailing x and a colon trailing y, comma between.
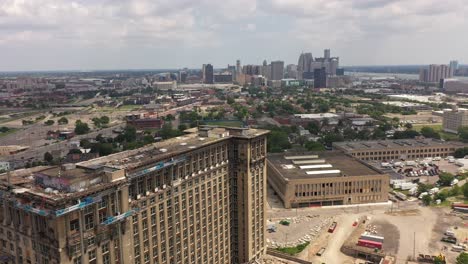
x: 435, y: 73
x: 453, y: 119
x: 397, y: 149
x: 198, y: 199
x: 325, y: 178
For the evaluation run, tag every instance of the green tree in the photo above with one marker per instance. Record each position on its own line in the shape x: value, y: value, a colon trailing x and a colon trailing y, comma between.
x: 169, y: 118
x: 463, y: 134
x: 462, y: 258
x: 84, y: 143
x: 465, y: 190
x: 456, y: 190
x: 429, y: 132
x: 313, y: 128
x: 74, y: 151
x: 405, y: 134
x: 167, y: 132
x: 424, y: 187
x: 442, y: 195
x: 439, y: 260
x: 182, y: 127
x: 49, y: 122
x: 314, y: 146
x: 105, y: 120
x: 426, y: 199
x: 48, y: 157
x: 62, y: 121
x: 409, y: 126
x: 446, y: 178
x: 461, y: 152
x: 81, y: 128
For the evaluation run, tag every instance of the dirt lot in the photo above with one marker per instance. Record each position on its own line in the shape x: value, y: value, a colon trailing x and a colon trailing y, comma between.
x: 407, y: 228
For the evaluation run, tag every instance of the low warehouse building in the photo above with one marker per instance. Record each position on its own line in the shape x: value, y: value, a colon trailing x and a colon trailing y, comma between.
x: 396, y: 149
x: 325, y: 178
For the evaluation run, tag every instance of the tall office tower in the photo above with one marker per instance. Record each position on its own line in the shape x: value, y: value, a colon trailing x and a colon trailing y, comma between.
x: 334, y: 63
x: 304, y: 64
x: 238, y: 66
x: 326, y: 54
x: 203, y: 72
x: 277, y: 70
x: 320, y: 78
x: 208, y: 73
x: 182, y: 76
x: 454, y: 65
x: 199, y: 199
x: 291, y: 71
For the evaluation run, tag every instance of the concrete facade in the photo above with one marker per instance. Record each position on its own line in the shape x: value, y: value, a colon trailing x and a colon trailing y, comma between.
x: 199, y: 198
x: 397, y: 149
x: 351, y: 181
x: 454, y: 119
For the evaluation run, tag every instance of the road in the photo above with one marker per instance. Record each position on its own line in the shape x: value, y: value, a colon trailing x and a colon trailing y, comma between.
x: 342, y: 232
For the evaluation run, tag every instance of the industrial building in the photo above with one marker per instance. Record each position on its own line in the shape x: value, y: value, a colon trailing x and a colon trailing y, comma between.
x: 199, y: 198
x: 397, y: 149
x: 325, y: 178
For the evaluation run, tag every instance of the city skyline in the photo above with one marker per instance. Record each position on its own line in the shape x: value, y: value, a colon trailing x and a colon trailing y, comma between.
x: 102, y: 35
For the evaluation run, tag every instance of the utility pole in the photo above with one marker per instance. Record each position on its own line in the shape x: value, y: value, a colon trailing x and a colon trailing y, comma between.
x: 414, y: 246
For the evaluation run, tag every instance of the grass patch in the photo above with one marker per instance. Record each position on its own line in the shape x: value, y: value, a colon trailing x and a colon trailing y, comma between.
x: 294, y: 250
x: 437, y: 128
x: 11, y: 131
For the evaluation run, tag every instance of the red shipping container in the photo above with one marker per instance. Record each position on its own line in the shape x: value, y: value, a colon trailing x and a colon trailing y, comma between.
x: 369, y: 244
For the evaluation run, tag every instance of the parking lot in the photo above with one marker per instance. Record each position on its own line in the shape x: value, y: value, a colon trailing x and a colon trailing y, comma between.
x: 424, y: 170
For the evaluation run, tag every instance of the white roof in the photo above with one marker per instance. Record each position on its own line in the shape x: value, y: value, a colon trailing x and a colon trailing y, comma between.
x: 301, y: 157
x: 298, y: 162
x: 317, y: 166
x: 317, y: 116
x: 322, y: 172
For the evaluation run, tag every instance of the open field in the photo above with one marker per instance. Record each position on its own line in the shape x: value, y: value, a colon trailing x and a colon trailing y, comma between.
x: 437, y: 128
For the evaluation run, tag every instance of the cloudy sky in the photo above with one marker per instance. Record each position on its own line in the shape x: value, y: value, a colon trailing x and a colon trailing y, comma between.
x: 152, y: 34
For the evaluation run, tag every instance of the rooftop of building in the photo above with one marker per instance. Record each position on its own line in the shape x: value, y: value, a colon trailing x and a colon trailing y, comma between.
x: 394, y: 143
x: 322, y: 164
x: 316, y: 116
x: 195, y: 138
x: 57, y: 182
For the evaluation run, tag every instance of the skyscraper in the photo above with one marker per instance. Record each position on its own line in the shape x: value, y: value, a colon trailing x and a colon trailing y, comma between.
x: 291, y: 71
x: 208, y: 73
x: 320, y: 78
x: 326, y: 54
x: 304, y: 64
x: 182, y: 76
x: 277, y: 70
x: 238, y: 66
x: 196, y: 199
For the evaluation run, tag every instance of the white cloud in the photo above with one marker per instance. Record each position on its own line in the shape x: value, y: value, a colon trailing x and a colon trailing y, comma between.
x: 362, y: 30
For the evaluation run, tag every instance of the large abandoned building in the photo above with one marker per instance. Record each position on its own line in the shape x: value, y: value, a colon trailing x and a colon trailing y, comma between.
x: 199, y: 198
x: 325, y: 178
